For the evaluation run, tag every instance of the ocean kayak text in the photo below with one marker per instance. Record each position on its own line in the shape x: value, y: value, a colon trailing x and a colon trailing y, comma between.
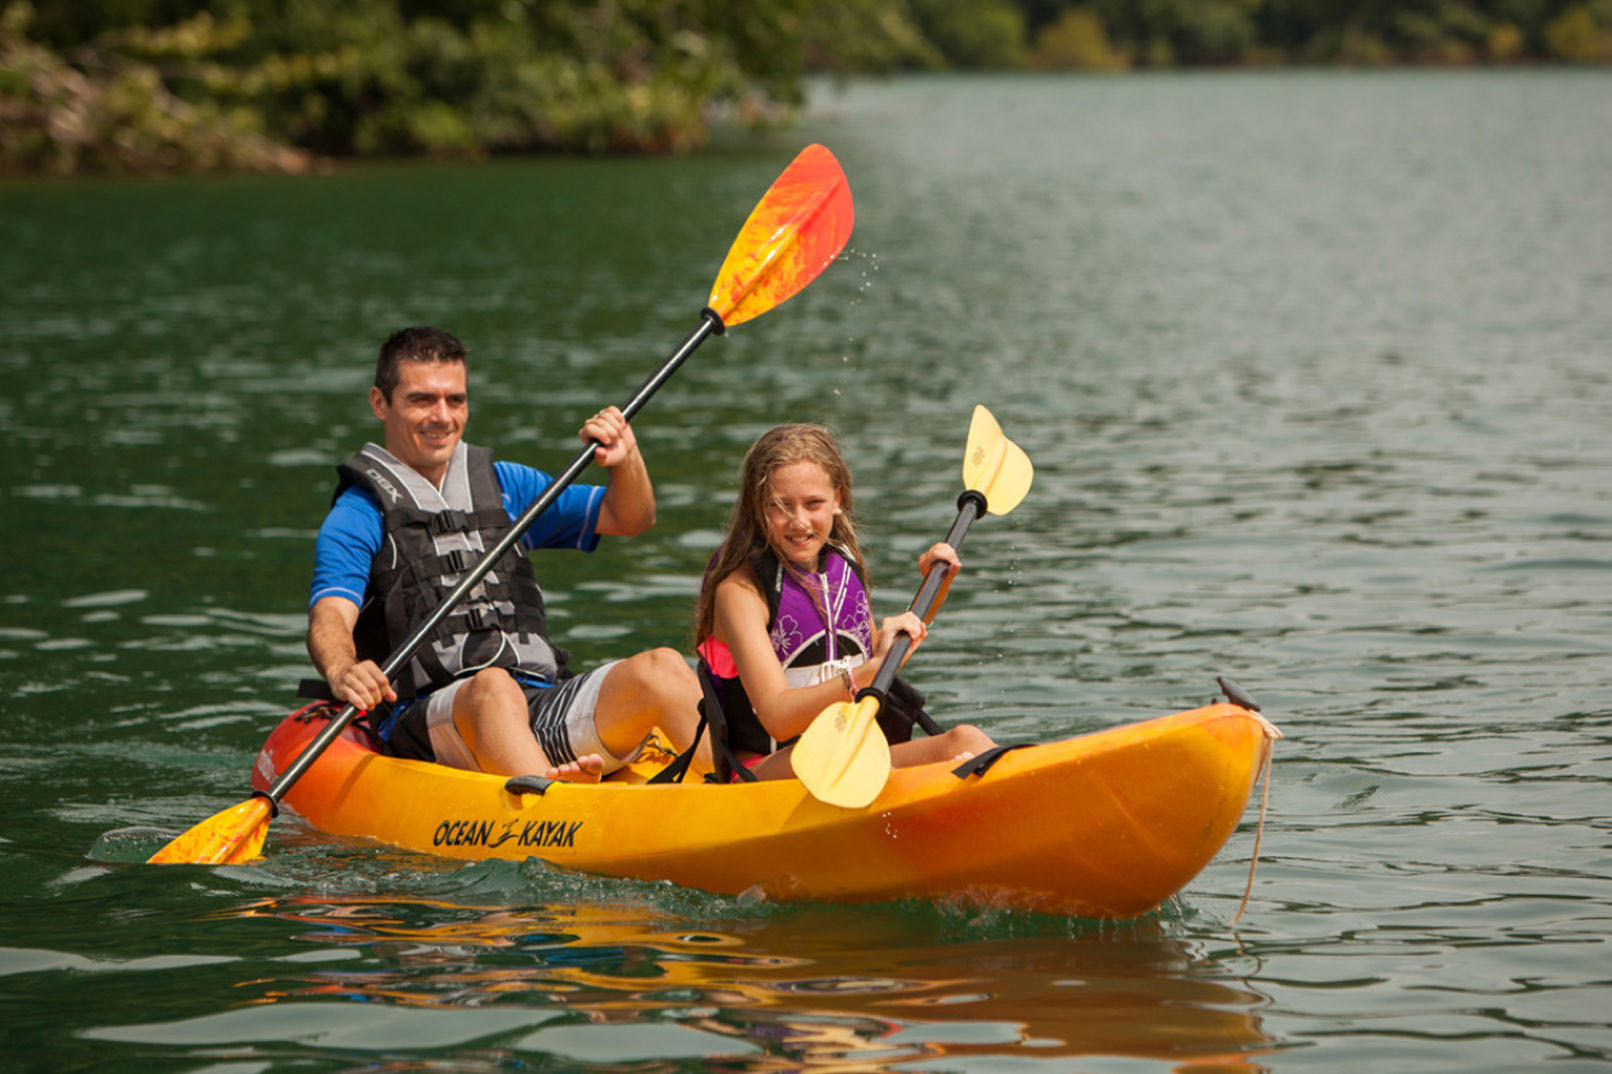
x: 489, y: 833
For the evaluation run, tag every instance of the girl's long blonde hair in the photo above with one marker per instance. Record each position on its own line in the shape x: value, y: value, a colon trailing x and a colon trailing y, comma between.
x: 746, y: 537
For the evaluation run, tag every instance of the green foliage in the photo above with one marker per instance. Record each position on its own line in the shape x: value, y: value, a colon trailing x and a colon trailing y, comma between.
x: 148, y: 85
x: 1581, y: 34
x: 109, y: 112
x: 376, y: 77
x: 974, y: 33
x: 868, y: 36
x: 1076, y: 40
x: 1503, y: 42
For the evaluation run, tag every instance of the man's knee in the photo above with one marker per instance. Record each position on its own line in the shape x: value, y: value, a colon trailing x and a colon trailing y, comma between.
x: 661, y: 668
x: 490, y: 692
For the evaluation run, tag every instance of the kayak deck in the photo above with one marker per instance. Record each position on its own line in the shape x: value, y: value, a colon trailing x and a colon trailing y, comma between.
x: 1108, y: 824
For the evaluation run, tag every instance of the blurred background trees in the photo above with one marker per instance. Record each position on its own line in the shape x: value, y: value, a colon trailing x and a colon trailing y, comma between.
x: 163, y: 85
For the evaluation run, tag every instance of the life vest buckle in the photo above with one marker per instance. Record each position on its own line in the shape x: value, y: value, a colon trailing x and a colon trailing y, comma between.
x: 446, y: 522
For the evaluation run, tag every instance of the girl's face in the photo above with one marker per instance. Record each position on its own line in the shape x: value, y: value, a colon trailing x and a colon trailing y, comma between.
x: 800, y: 512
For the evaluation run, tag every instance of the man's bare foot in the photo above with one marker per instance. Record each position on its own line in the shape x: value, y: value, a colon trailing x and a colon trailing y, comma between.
x: 588, y: 768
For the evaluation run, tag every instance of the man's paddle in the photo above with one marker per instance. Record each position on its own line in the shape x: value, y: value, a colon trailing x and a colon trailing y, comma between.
x: 797, y: 228
x: 843, y: 757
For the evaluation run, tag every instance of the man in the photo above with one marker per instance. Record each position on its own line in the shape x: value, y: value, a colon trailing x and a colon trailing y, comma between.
x: 488, y: 690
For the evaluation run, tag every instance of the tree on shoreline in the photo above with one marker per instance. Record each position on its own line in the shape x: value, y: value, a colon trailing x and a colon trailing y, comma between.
x: 125, y: 86
x: 279, y: 84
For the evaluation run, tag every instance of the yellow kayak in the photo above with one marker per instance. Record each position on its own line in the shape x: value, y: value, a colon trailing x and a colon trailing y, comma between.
x: 1108, y: 824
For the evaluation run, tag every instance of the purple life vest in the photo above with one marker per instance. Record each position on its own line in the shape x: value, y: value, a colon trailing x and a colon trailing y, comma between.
x: 804, y: 643
x: 815, y: 633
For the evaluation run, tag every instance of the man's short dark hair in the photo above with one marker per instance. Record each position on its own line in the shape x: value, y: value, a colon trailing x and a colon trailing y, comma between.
x: 417, y: 343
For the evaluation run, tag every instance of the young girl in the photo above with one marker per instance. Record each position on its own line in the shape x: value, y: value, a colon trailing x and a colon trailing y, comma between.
x: 783, y: 621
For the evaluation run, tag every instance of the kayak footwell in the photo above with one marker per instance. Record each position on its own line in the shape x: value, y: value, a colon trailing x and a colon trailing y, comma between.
x: 1108, y: 824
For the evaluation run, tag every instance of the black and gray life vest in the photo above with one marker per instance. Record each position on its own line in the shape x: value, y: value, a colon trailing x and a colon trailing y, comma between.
x: 431, y: 538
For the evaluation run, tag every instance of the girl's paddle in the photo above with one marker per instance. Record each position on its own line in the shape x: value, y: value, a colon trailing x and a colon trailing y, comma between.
x: 843, y: 757
x: 797, y: 228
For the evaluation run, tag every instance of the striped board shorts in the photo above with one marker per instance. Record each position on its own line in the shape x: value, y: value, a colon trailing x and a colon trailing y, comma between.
x: 561, y: 716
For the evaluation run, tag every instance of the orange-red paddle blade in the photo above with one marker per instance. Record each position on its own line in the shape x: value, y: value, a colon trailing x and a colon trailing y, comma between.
x: 226, y: 838
x: 798, y: 227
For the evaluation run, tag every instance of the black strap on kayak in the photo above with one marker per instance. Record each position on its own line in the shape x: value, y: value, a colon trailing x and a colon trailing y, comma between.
x: 726, y: 765
x: 674, y: 772
x: 981, y: 763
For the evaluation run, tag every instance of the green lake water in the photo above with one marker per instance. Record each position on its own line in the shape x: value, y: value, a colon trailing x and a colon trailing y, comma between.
x: 1316, y: 372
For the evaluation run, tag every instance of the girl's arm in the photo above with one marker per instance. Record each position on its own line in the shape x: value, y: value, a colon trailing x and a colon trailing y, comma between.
x: 741, y: 624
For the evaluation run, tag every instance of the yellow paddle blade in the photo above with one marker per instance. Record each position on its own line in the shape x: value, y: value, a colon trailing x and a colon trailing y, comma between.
x: 843, y: 758
x: 226, y: 838
x: 798, y: 227
x: 995, y: 466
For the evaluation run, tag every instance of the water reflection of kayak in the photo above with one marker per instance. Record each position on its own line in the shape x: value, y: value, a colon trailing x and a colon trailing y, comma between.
x: 1108, y: 824
x: 829, y: 988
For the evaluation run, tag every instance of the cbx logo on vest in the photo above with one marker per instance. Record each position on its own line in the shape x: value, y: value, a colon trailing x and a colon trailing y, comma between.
x: 490, y: 834
x: 383, y: 484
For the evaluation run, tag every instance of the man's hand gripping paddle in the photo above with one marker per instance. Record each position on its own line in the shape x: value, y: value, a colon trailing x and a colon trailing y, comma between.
x: 798, y: 227
x: 843, y: 757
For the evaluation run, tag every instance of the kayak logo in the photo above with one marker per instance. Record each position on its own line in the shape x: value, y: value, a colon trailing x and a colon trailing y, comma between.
x: 490, y: 834
x: 383, y: 484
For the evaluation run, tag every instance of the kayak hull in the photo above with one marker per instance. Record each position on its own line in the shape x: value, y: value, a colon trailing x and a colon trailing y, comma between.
x: 1104, y: 825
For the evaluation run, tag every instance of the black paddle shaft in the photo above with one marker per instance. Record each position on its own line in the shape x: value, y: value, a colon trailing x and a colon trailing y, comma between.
x: 970, y: 505
x: 710, y: 325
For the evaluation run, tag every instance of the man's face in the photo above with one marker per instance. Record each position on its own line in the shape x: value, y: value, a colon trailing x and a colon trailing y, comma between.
x: 426, y: 415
